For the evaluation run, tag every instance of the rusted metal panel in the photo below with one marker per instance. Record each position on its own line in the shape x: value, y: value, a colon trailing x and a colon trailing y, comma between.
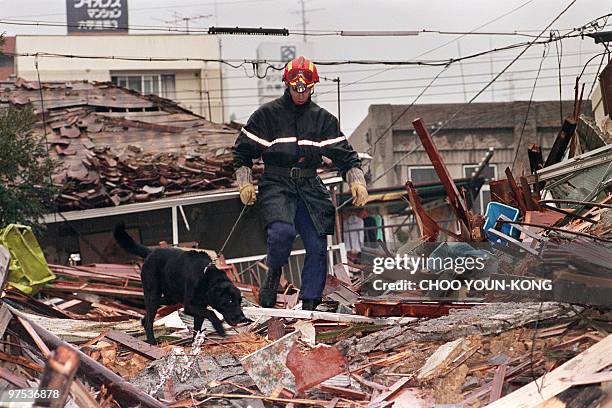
x: 501, y: 191
x: 427, y: 226
x: 536, y: 162
x: 561, y: 142
x: 385, y: 308
x: 454, y: 198
x: 516, y: 191
x: 313, y: 366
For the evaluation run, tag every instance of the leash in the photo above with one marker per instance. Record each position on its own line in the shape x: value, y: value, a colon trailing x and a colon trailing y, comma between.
x: 233, y: 228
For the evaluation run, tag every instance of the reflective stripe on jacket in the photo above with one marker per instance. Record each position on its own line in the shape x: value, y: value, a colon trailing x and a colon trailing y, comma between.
x: 289, y: 135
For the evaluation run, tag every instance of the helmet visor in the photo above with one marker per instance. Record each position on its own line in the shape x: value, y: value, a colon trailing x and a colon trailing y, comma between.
x: 294, y: 74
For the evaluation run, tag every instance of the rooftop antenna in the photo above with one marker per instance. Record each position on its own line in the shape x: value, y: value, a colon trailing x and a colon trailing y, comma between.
x: 177, y: 18
x: 303, y: 11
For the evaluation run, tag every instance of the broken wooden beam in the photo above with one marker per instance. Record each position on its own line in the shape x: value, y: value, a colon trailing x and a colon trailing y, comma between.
x: 561, y: 142
x: 56, y: 379
x: 536, y: 162
x: 498, y: 383
x: 454, y: 198
x: 135, y: 345
x: 122, y: 391
x: 516, y: 191
x: 255, y: 312
x: 560, y: 379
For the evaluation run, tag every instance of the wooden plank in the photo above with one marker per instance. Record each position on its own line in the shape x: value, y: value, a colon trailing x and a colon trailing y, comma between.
x: 604, y: 376
x: 392, y: 390
x: 441, y: 358
x: 498, y: 383
x: 123, y: 392
x: 39, y: 342
x: 536, y: 392
x: 12, y: 378
x: 343, y: 392
x: 135, y: 345
x: 5, y: 258
x: 5, y: 318
x: 254, y: 312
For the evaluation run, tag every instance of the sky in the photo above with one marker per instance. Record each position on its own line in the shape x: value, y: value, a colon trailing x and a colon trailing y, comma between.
x: 363, y: 85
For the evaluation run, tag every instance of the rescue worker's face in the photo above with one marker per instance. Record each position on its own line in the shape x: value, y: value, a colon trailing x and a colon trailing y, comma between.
x: 299, y: 98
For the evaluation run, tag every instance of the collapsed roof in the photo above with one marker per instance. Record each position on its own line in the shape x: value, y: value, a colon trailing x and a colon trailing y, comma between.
x: 116, y: 146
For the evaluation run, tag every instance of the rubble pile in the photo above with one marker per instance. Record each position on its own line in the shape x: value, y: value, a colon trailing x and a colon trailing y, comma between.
x: 77, y: 329
x: 470, y: 348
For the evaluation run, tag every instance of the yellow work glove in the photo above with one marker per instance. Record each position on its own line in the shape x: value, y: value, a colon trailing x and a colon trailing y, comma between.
x: 245, y: 184
x: 357, y: 182
x: 360, y: 194
x: 247, y: 194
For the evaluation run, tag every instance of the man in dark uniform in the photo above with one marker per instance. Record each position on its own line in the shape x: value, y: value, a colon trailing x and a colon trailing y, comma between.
x: 291, y: 134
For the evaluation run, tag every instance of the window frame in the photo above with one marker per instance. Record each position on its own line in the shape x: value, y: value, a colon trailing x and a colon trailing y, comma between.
x: 156, y: 78
x: 475, y: 166
x: 422, y: 167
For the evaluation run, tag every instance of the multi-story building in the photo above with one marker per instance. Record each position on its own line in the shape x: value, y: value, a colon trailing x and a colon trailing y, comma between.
x: 183, y: 75
x: 387, y: 134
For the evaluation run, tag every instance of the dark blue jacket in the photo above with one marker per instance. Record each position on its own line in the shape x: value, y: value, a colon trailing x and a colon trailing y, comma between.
x: 289, y: 135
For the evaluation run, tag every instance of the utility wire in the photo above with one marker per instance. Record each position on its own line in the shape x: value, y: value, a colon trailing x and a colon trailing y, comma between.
x: 445, y: 44
x: 403, y: 112
x: 518, y: 145
x: 348, y: 71
x: 371, y: 98
x: 559, y: 50
x: 462, y: 107
x: 187, y: 91
x: 534, y: 41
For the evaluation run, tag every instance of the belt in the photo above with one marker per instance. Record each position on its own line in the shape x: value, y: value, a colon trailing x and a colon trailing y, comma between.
x: 293, y: 172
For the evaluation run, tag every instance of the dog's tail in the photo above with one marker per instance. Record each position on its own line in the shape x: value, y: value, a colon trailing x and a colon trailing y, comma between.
x: 126, y: 242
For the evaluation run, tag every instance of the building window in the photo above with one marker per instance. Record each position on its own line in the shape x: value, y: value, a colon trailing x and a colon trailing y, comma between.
x: 162, y: 85
x: 6, y: 61
x: 422, y: 174
x: 489, y: 172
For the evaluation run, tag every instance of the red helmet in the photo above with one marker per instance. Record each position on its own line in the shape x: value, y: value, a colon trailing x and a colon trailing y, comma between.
x: 301, y: 71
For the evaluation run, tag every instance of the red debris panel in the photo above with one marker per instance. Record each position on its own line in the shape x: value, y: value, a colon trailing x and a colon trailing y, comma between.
x: 314, y: 366
x: 385, y: 308
x: 428, y: 226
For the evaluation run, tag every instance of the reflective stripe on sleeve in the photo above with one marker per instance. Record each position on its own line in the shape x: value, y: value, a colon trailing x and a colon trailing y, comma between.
x: 323, y: 143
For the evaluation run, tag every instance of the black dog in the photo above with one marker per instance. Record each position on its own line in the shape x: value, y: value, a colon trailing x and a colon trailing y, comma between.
x: 172, y: 275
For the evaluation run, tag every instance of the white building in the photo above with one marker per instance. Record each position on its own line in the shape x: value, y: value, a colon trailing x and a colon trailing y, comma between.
x: 183, y: 76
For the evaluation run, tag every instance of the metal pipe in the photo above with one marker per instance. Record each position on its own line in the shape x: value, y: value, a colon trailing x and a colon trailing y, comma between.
x: 548, y: 227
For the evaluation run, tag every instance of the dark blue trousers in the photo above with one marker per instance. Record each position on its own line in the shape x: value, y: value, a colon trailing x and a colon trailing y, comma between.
x: 280, y: 240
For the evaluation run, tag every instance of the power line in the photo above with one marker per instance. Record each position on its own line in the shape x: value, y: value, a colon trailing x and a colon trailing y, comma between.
x: 462, y: 107
x: 396, y: 88
x: 217, y: 103
x: 313, y: 33
x: 534, y: 41
x: 131, y: 10
x: 445, y: 44
x: 268, y: 65
x: 518, y: 145
x: 324, y: 84
x: 384, y: 133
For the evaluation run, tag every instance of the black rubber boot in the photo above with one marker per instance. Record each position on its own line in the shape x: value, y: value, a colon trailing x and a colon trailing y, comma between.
x: 269, y: 288
x: 310, y: 304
